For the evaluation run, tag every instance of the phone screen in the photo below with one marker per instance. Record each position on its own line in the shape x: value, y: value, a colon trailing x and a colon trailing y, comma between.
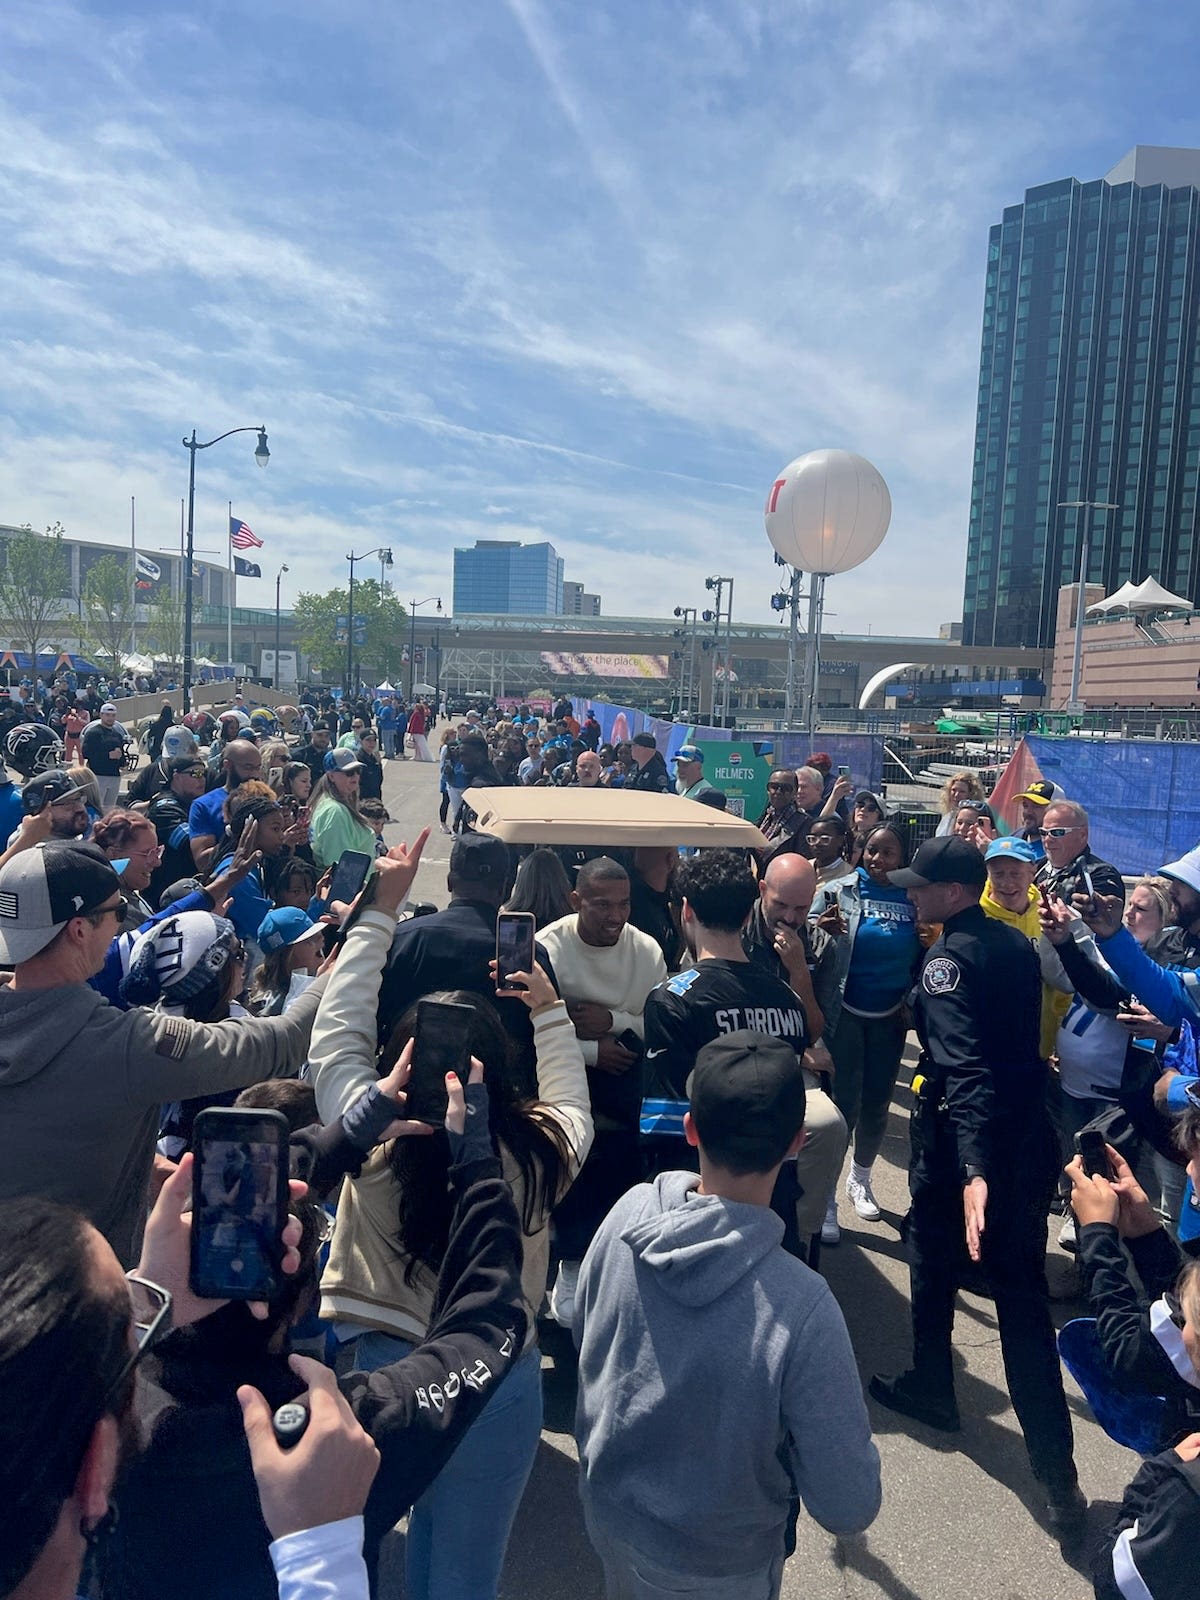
x: 349, y: 875
x: 514, y: 947
x: 843, y: 772
x: 1095, y: 1155
x: 239, y: 1203
x: 441, y: 1044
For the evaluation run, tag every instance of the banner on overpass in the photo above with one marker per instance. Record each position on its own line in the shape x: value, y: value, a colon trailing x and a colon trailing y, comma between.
x: 573, y: 666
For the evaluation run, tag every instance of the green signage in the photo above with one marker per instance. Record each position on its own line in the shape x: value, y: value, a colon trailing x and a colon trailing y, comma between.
x: 741, y: 773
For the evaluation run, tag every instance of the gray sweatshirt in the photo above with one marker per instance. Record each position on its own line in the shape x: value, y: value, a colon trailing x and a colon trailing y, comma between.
x: 715, y: 1373
x: 81, y: 1084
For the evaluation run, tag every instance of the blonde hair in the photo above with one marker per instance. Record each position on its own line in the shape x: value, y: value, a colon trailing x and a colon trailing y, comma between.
x: 1159, y: 890
x: 975, y: 788
x: 84, y: 778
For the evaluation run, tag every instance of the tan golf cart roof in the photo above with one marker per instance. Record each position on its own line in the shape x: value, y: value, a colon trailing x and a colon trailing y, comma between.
x: 605, y: 816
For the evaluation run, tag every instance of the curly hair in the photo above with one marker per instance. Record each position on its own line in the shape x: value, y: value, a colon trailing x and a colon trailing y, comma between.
x: 720, y: 888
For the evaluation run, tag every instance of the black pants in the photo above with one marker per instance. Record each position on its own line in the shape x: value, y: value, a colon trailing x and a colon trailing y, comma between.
x: 1014, y: 1260
x: 613, y: 1166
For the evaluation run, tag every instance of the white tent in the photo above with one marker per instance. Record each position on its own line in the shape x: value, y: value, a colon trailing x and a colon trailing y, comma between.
x: 1148, y: 595
x: 1151, y: 596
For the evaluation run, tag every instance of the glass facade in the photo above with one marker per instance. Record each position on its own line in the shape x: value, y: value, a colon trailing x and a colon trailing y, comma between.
x: 504, y: 576
x: 1089, y: 389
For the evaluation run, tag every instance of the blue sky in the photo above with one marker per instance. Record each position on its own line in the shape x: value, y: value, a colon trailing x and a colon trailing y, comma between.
x: 532, y: 269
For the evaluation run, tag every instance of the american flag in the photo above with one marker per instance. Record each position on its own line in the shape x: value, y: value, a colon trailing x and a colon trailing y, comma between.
x: 241, y: 537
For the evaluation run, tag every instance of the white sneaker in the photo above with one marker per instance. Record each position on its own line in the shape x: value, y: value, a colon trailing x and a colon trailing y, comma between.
x: 562, y: 1295
x: 862, y: 1199
x: 1066, y: 1234
x: 830, y: 1232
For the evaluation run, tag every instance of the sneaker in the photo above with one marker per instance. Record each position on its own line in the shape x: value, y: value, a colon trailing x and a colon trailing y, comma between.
x: 830, y: 1232
x: 862, y: 1199
x: 562, y: 1296
x: 1066, y: 1234
x: 911, y: 1398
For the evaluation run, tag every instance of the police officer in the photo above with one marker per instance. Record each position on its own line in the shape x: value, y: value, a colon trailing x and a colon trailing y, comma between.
x: 984, y: 1166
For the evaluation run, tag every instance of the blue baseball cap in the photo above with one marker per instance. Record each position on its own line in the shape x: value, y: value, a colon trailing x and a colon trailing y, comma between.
x: 689, y: 752
x: 283, y: 926
x: 1015, y: 848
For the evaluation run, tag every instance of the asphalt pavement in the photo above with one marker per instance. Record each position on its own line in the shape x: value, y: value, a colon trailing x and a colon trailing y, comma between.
x: 959, y: 1517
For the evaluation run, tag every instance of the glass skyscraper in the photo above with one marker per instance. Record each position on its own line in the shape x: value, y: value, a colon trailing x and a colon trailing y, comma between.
x: 502, y: 575
x: 1089, y: 389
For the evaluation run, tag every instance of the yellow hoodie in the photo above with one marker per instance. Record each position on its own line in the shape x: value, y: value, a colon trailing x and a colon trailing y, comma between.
x: 1055, y: 1004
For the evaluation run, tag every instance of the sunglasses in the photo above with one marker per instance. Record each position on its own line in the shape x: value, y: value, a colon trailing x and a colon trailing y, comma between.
x: 788, y: 788
x: 151, y: 1310
x: 118, y: 911
x: 1058, y: 833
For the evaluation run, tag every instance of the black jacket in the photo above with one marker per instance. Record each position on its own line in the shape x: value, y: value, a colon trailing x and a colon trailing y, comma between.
x: 1141, y: 1356
x: 977, y: 1011
x: 452, y: 950
x: 653, y: 777
x: 1067, y: 881
x: 1158, y: 1529
x: 190, y: 1521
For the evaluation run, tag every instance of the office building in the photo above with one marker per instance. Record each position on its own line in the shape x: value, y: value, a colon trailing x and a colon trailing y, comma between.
x: 502, y: 575
x: 1089, y: 390
x: 576, y: 602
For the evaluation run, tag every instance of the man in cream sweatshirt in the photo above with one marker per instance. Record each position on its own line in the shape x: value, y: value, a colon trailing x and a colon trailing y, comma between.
x: 605, y: 969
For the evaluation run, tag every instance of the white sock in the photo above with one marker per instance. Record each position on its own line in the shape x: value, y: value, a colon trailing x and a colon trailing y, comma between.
x: 860, y: 1174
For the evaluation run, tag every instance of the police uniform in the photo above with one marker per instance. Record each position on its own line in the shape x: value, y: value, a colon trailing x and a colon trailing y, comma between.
x: 981, y: 1112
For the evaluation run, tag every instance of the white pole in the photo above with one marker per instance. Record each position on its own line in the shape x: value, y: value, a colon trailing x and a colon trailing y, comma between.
x: 229, y: 593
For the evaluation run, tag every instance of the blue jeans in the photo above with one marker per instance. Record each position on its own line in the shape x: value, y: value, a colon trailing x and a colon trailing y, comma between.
x: 458, y: 1530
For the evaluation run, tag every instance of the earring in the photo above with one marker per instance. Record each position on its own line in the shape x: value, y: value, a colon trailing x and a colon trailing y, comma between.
x: 102, y: 1527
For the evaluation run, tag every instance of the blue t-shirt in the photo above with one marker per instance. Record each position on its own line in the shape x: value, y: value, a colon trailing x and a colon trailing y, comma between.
x: 12, y: 811
x: 205, y: 819
x: 885, y: 947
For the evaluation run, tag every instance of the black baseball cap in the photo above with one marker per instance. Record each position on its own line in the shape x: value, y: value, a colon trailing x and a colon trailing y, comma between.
x: 945, y: 860
x: 747, y: 1088
x: 48, y: 788
x: 179, y: 764
x: 43, y: 888
x: 646, y: 741
x: 479, y: 858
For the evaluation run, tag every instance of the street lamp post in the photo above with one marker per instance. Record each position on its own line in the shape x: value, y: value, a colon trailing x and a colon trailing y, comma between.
x: 412, y: 635
x: 1082, y: 533
x: 262, y: 455
x: 275, y: 674
x: 384, y: 553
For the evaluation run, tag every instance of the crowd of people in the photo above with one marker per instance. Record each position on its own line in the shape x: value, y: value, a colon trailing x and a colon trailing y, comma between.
x: 661, y: 1118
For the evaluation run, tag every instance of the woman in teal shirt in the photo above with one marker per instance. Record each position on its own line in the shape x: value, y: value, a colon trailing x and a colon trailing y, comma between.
x: 879, y: 951
x: 335, y: 825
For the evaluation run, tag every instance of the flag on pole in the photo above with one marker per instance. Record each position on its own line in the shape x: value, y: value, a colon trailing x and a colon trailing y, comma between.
x: 241, y: 537
x: 148, y: 572
x: 246, y: 569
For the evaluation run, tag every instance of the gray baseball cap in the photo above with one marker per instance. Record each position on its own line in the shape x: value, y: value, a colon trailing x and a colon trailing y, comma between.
x: 43, y: 888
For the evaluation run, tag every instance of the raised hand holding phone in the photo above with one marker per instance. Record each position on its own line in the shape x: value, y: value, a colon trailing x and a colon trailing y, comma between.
x: 537, y: 991
x: 396, y: 872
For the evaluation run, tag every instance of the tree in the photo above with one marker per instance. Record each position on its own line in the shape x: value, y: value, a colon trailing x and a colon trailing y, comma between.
x: 165, y: 628
x: 320, y: 638
x: 108, y: 611
x: 34, y: 584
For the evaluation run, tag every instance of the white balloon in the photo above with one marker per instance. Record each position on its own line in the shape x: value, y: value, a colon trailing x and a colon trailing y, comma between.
x: 827, y: 511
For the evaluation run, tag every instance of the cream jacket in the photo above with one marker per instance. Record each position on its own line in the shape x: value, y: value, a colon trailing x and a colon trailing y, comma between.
x: 364, y: 1279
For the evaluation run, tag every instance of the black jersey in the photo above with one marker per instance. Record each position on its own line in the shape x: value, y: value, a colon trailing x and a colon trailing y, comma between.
x: 706, y: 1000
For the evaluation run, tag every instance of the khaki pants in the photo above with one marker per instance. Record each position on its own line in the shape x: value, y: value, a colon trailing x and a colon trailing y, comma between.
x: 820, y: 1161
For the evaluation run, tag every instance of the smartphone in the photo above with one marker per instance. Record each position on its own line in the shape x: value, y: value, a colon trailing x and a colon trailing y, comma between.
x: 239, y: 1203
x: 1091, y: 1147
x: 514, y: 948
x: 1087, y: 883
x: 843, y: 772
x: 631, y: 1041
x: 1045, y: 894
x: 349, y: 875
x: 831, y: 899
x: 441, y: 1044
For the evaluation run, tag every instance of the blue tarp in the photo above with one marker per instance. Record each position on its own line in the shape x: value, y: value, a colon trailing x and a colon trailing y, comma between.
x: 1142, y: 796
x: 861, y: 752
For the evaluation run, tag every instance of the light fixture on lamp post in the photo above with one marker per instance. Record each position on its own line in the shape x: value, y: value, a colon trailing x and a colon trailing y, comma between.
x: 262, y: 455
x: 275, y: 674
x: 1082, y: 539
x: 384, y: 553
x: 412, y: 635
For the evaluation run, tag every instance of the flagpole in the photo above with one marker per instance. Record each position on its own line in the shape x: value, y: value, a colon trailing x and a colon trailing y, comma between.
x: 229, y: 607
x: 133, y: 575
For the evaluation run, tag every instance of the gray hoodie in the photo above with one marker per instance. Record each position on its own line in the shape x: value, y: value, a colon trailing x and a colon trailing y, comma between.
x: 81, y: 1084
x: 716, y: 1378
